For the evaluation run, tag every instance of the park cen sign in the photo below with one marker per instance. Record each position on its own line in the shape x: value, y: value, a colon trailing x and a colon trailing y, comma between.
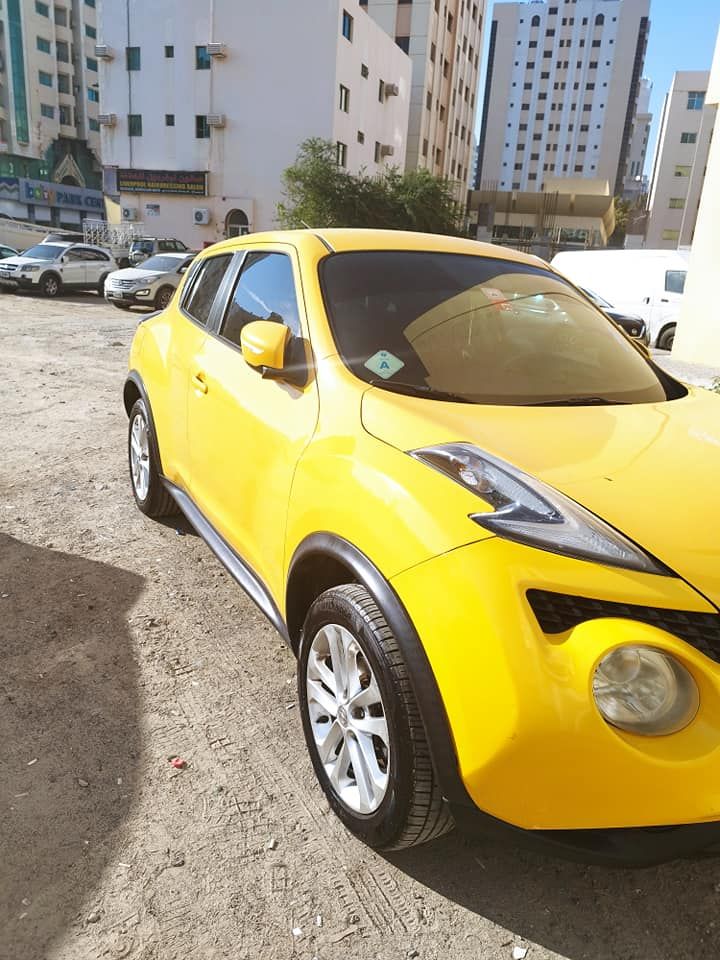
x: 162, y: 181
x: 46, y: 194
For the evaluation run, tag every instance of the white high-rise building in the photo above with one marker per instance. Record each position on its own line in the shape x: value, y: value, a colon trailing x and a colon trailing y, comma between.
x: 680, y: 161
x: 561, y: 91
x: 202, y: 113
x: 636, y: 181
x: 444, y: 42
x: 49, y: 141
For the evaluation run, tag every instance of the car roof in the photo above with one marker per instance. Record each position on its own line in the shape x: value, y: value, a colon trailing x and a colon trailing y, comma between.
x: 347, y: 239
x: 179, y: 254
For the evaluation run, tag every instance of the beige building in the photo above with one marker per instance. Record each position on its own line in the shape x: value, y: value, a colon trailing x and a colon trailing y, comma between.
x: 680, y: 161
x: 443, y: 40
x: 697, y: 337
x: 561, y: 91
x: 49, y: 139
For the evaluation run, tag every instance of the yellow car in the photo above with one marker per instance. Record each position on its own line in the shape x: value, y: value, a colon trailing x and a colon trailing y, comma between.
x: 485, y: 521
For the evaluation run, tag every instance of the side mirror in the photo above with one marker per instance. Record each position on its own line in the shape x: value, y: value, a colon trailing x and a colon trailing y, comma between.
x: 264, y: 346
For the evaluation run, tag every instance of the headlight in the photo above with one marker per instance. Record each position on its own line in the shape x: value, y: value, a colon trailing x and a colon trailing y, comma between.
x: 30, y: 268
x: 643, y: 690
x: 528, y: 511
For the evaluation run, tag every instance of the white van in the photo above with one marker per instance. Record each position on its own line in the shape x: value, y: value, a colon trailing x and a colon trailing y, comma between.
x: 647, y: 282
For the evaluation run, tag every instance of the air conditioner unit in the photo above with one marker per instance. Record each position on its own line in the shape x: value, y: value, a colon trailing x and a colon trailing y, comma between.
x: 387, y: 150
x: 107, y: 119
x: 129, y: 213
x: 392, y: 90
x: 216, y: 120
x: 217, y: 50
x: 201, y: 216
x: 103, y: 51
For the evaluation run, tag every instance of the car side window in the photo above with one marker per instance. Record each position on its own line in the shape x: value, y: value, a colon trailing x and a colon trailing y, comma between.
x: 72, y: 256
x: 675, y: 281
x: 165, y: 245
x: 206, y: 283
x: 265, y: 290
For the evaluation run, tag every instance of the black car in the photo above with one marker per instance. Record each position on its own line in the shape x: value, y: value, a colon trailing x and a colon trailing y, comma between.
x: 631, y: 323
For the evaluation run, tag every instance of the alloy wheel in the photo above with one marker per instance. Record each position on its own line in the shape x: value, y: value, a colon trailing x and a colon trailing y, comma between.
x: 348, y: 719
x: 140, y: 457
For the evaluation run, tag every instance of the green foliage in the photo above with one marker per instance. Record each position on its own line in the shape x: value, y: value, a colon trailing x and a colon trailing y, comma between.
x: 622, y: 213
x: 716, y: 385
x: 322, y: 194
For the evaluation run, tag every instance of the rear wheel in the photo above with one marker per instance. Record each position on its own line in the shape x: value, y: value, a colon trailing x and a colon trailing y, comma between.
x: 101, y: 285
x: 362, y: 724
x: 49, y: 285
x: 163, y: 297
x: 150, y: 495
x: 667, y: 338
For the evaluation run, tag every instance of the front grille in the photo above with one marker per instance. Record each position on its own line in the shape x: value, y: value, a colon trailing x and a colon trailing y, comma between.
x: 558, y: 612
x: 8, y: 266
x: 124, y: 284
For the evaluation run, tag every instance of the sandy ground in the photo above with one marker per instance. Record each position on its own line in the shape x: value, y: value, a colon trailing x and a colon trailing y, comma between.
x: 124, y: 643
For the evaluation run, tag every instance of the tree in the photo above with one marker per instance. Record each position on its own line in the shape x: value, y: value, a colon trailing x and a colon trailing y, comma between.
x: 320, y: 193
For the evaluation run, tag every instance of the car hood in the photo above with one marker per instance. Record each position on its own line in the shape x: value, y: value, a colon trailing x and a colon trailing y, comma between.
x: 136, y: 273
x: 650, y: 470
x: 25, y: 261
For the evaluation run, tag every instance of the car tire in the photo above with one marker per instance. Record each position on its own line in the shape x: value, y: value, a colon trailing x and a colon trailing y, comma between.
x: 666, y: 338
x: 151, y: 496
x: 163, y: 297
x: 397, y: 801
x: 101, y: 285
x: 50, y: 285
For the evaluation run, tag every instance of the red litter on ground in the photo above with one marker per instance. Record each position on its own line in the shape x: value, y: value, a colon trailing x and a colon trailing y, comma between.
x: 178, y: 763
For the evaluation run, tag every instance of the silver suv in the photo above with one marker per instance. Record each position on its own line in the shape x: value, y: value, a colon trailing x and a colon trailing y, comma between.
x: 152, y: 284
x: 50, y: 268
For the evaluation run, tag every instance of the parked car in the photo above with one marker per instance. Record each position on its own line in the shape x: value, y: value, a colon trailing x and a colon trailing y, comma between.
x: 144, y: 247
x: 646, y: 282
x: 51, y: 268
x: 631, y: 323
x: 6, y: 252
x: 421, y: 457
x: 151, y: 285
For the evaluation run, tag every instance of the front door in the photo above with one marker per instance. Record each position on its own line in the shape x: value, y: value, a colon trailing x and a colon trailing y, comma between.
x: 73, y: 268
x: 246, y: 434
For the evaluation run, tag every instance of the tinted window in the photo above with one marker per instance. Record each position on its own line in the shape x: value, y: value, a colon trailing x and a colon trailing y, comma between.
x: 675, y: 281
x: 44, y: 251
x: 265, y: 290
x: 85, y: 253
x: 146, y: 246
x: 480, y: 330
x: 198, y: 303
x: 164, y: 264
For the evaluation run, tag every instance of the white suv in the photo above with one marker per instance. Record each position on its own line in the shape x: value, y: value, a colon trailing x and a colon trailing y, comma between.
x: 50, y: 268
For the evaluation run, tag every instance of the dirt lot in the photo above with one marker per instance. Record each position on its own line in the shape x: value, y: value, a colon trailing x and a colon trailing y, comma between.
x: 125, y: 643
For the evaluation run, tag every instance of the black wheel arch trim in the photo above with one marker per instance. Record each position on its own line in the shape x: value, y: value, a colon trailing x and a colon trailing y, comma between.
x: 136, y: 380
x: 422, y: 678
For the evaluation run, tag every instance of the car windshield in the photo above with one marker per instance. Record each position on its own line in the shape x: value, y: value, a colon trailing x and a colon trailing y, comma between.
x: 44, y: 251
x: 163, y: 264
x: 480, y: 330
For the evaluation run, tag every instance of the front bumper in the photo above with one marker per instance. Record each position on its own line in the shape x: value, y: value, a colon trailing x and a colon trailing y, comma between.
x: 533, y: 752
x: 18, y: 283
x: 127, y: 296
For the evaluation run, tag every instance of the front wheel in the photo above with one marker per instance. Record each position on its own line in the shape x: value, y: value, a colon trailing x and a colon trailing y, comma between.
x: 163, y: 297
x: 49, y: 285
x: 362, y: 724
x: 150, y: 495
x: 667, y: 338
x: 101, y: 285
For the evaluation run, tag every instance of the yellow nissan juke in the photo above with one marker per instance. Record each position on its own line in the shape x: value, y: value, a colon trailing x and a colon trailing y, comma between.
x: 485, y: 521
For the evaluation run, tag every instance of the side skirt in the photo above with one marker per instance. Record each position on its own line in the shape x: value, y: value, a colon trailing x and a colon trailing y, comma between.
x: 231, y: 560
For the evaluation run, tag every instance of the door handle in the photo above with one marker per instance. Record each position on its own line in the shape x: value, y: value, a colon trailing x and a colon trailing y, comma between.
x: 664, y: 300
x: 646, y: 299
x: 198, y: 382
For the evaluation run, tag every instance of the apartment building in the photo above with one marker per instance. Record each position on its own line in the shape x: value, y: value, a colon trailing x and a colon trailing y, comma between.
x: 443, y: 39
x: 636, y: 183
x: 680, y: 161
x: 49, y: 135
x: 561, y: 91
x: 201, y: 115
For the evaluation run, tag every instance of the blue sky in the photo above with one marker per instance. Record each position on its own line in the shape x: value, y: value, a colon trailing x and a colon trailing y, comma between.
x: 682, y: 37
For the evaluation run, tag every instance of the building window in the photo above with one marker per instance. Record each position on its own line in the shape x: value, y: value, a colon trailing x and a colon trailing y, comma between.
x: 344, y: 99
x: 377, y: 152
x: 360, y: 137
x: 45, y: 78
x: 202, y: 130
x: 682, y: 171
x: 695, y: 100
x: 63, y: 83
x: 428, y: 100
x: 93, y: 124
x: 169, y: 119
x: 403, y: 43
x: 381, y: 91
x: 535, y: 22
x: 90, y: 62
x: 671, y: 234
x: 62, y: 51
x: 132, y: 58
x: 65, y: 115
x: 202, y: 58
x: 340, y: 154
x: 433, y: 52
x: 47, y: 111
x: 43, y: 45
x: 169, y: 52
x: 677, y: 203
x: 90, y: 3
x: 61, y: 16
x: 93, y: 95
x: 134, y: 125
x: 425, y: 148
x: 364, y: 72
x: 347, y: 26
x: 688, y: 137
x: 42, y: 8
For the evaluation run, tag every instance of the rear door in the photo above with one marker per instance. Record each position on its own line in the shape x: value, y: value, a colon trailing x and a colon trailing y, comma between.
x: 97, y: 264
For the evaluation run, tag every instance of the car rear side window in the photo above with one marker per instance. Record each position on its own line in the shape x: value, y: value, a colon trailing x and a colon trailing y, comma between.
x: 675, y: 281
x: 265, y: 290
x: 201, y: 296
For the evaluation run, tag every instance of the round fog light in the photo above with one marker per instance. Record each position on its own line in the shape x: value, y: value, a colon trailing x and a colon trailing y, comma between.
x: 644, y: 690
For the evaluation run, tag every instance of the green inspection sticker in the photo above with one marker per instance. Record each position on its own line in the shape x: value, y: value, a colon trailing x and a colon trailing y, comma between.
x: 384, y: 364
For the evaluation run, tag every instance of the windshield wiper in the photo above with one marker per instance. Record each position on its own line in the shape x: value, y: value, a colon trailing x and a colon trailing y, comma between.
x: 578, y: 402
x: 418, y: 389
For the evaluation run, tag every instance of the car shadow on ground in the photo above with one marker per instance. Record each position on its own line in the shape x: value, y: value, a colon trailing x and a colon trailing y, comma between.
x: 582, y: 912
x: 69, y: 736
